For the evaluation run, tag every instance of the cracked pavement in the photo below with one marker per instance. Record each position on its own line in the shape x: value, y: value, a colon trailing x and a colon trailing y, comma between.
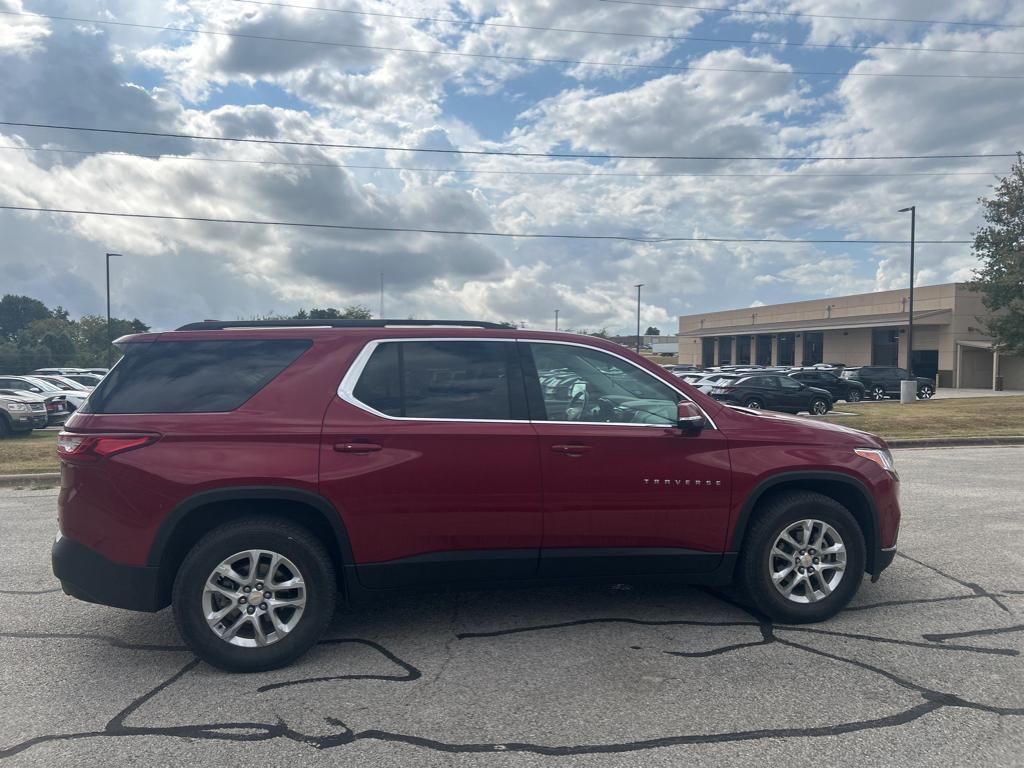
x: 924, y: 667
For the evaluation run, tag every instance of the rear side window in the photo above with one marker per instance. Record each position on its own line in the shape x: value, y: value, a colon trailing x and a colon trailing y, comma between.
x: 473, y: 380
x: 192, y: 376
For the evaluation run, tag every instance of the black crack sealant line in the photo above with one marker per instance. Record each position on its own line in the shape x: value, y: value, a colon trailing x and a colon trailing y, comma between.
x: 930, y: 699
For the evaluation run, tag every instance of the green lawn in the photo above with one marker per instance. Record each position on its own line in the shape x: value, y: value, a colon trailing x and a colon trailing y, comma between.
x: 34, y: 452
x: 960, y: 417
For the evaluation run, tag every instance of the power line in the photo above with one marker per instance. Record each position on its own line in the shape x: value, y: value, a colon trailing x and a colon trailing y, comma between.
x: 503, y: 57
x: 497, y: 152
x: 489, y: 172
x: 608, y: 33
x: 471, y: 233
x: 815, y: 15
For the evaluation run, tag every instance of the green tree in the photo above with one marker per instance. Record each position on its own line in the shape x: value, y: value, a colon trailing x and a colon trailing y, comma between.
x: 16, y: 312
x: 999, y: 245
x: 652, y: 331
x: 351, y: 312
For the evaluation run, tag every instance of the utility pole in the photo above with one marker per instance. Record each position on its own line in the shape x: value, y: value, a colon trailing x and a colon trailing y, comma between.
x: 910, y: 302
x: 381, y: 315
x: 556, y: 319
x: 110, y: 341
x: 638, y: 287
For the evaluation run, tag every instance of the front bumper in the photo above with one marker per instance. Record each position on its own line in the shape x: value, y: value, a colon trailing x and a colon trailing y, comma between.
x: 87, y: 575
x: 883, y: 559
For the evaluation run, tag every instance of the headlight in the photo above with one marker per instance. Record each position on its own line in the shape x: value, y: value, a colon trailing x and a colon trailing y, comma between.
x: 880, y: 457
x: 18, y: 407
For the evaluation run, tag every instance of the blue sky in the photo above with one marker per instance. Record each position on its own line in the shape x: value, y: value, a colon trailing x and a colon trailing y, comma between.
x: 92, y: 74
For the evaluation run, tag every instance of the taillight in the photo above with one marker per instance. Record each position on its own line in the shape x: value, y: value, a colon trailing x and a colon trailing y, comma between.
x: 96, y: 447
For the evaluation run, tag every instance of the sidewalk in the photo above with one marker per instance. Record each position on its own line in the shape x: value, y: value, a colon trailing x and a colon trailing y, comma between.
x: 950, y: 393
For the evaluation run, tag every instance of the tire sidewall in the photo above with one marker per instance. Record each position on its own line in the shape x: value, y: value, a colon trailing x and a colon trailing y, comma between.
x: 213, y: 549
x: 755, y: 571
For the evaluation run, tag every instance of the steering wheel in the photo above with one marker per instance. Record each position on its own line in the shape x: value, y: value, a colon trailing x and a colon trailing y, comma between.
x: 579, y: 403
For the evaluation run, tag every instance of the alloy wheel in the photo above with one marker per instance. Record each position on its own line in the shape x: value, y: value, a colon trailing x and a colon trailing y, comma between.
x: 854, y: 396
x: 754, y: 405
x: 254, y: 598
x: 925, y: 392
x: 807, y: 561
x: 819, y: 407
x: 878, y: 393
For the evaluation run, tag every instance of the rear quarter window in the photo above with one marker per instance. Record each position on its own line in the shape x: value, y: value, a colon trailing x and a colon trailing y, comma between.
x: 192, y: 376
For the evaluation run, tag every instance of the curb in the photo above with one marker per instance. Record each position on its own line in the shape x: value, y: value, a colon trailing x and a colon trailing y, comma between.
x: 956, y: 442
x: 40, y: 478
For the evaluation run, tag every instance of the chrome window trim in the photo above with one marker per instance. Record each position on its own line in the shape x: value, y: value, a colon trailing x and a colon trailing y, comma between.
x: 346, y: 389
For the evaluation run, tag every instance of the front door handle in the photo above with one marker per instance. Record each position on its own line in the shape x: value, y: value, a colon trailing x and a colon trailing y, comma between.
x: 356, y: 447
x: 571, y: 450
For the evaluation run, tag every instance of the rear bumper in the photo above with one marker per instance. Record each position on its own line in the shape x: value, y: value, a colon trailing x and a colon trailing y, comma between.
x: 87, y: 575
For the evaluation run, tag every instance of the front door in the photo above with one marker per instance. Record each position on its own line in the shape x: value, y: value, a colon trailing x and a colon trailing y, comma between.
x: 431, y: 460
x: 625, y: 491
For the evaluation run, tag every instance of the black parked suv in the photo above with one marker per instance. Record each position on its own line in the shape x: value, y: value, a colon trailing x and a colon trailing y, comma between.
x: 774, y: 392
x: 881, y: 381
x: 849, y: 390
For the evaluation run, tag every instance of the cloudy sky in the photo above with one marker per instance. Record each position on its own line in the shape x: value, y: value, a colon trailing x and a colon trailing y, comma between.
x: 660, y: 78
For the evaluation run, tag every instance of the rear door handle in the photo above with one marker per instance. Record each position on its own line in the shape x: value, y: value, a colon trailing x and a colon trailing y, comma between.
x: 571, y: 450
x: 356, y: 447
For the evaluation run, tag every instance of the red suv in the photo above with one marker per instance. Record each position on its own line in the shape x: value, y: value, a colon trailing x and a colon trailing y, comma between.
x: 248, y: 472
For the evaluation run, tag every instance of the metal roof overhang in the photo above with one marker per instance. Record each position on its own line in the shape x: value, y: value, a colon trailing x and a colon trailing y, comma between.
x: 925, y: 317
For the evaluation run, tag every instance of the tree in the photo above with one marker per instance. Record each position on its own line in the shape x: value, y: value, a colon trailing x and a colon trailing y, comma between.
x: 652, y: 331
x: 999, y: 245
x: 351, y: 312
x: 16, y: 312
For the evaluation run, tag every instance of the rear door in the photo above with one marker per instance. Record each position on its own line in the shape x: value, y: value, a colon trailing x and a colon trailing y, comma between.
x: 624, y: 490
x: 429, y: 455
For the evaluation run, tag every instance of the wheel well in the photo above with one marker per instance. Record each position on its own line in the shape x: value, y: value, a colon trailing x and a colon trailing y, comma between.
x: 845, y: 493
x: 202, y: 519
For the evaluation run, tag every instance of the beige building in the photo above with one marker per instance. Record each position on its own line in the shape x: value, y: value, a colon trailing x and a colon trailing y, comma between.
x: 864, y: 329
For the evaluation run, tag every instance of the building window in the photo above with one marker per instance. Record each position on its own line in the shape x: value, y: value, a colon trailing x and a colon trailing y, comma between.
x: 707, y: 352
x: 742, y: 350
x: 725, y: 350
x: 764, y: 350
x: 885, y: 346
x: 787, y: 349
x: 813, y: 347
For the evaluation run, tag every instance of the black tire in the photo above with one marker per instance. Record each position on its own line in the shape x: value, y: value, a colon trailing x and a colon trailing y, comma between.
x: 878, y: 392
x: 263, y: 532
x: 754, y: 403
x: 925, y: 391
x: 854, y: 396
x: 5, y: 427
x: 768, y: 521
x: 819, y: 407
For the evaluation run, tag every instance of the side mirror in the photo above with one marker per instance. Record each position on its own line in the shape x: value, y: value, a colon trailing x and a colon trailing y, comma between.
x: 690, y: 419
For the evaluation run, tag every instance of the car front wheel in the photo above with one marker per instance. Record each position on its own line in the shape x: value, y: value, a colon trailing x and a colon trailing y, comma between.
x: 854, y: 396
x: 819, y: 407
x: 254, y: 594
x: 803, y: 558
x: 925, y: 392
x: 878, y: 393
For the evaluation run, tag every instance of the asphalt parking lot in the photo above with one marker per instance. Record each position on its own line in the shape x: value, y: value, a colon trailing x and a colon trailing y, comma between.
x: 924, y: 668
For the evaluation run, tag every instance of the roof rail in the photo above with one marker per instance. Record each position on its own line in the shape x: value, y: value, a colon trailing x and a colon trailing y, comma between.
x: 220, y: 325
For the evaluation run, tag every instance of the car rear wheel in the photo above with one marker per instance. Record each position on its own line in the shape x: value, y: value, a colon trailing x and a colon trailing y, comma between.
x: 754, y: 404
x: 819, y: 407
x: 925, y: 391
x: 878, y: 393
x: 254, y: 594
x: 803, y: 558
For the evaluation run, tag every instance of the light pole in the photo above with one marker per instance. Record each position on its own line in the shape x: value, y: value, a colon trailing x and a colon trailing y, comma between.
x: 638, y: 287
x: 381, y: 315
x: 556, y: 319
x: 910, y: 302
x: 109, y: 340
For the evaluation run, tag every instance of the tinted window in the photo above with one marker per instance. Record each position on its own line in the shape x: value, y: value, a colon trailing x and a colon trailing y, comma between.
x: 787, y: 383
x: 581, y: 384
x: 192, y: 376
x: 443, y: 380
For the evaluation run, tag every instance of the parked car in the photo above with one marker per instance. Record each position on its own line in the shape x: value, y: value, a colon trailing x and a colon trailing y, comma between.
x: 850, y: 390
x: 59, y: 404
x: 86, y: 379
x: 882, y: 381
x: 775, y: 392
x: 65, y: 384
x: 678, y: 368
x: 56, y: 371
x: 295, y: 463
x: 20, y: 412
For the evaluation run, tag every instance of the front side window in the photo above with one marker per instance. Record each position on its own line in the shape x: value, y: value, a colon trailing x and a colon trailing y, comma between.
x: 587, y: 385
x: 474, y: 380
